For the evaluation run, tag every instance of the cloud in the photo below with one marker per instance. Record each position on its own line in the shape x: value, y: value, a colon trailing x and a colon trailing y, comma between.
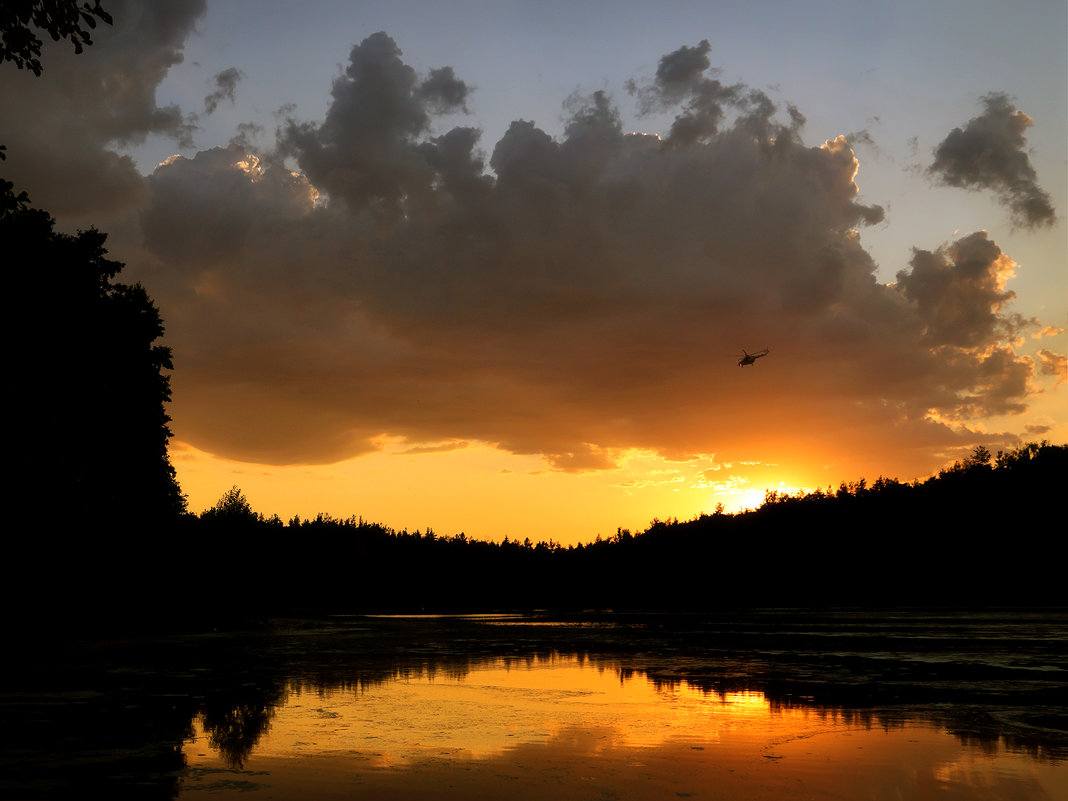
x: 226, y: 87
x: 579, y: 301
x: 681, y: 80
x: 990, y: 153
x: 368, y: 152
x: 442, y: 447
x: 958, y: 292
x: 1055, y: 364
x: 1047, y: 331
x: 576, y: 297
x: 60, y: 142
x: 683, y: 70
x: 187, y: 220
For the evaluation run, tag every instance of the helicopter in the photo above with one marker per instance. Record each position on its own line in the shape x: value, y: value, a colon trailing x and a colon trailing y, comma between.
x: 750, y: 358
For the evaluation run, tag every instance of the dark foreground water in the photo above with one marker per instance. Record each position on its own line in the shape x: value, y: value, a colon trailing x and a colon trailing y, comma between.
x: 778, y: 704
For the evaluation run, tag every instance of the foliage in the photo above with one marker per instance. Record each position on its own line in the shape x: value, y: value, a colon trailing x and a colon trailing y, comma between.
x: 21, y: 20
x: 232, y: 508
x: 10, y: 203
x: 90, y: 379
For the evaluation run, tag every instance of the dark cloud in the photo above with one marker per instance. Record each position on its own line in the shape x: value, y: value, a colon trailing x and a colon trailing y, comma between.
x: 958, y: 292
x: 187, y: 219
x: 706, y: 104
x: 582, y: 299
x: 60, y: 142
x: 680, y: 79
x: 990, y: 152
x: 225, y: 88
x: 442, y: 92
x: 958, y: 298
x: 682, y: 71
x: 568, y: 296
x: 368, y: 152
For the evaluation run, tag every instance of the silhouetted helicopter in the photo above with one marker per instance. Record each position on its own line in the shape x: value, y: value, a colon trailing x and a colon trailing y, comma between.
x: 750, y: 358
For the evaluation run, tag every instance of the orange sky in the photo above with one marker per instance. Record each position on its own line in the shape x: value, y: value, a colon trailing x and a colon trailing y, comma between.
x: 482, y: 491
x: 490, y: 494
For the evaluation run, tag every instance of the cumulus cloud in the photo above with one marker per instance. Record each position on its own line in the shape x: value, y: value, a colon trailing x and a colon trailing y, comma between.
x: 576, y: 299
x: 1053, y: 363
x: 683, y: 70
x: 367, y: 151
x: 60, y: 142
x: 188, y: 221
x: 990, y: 153
x: 225, y: 89
x: 682, y: 79
x: 959, y: 291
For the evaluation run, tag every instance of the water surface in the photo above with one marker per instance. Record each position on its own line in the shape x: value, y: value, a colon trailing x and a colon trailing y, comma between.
x: 782, y: 704
x: 564, y: 727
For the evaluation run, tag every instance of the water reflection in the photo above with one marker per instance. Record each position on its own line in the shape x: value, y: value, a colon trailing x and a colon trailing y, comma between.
x: 567, y: 726
x: 493, y: 707
x: 643, y: 706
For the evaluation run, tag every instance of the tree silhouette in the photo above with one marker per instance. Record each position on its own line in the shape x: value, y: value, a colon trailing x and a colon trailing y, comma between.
x: 883, y: 542
x: 90, y: 381
x: 60, y: 19
x: 233, y: 507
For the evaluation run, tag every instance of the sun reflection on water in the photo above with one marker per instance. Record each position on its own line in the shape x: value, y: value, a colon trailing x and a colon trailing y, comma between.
x: 578, y: 720
x: 492, y: 707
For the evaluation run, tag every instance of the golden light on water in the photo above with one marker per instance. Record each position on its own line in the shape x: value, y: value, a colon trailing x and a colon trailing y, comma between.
x: 564, y: 727
x: 483, y: 713
x: 494, y: 708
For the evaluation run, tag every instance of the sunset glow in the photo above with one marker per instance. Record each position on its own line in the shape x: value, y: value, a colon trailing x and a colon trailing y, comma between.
x: 551, y: 723
x: 535, y: 400
x: 446, y: 490
x: 498, y: 282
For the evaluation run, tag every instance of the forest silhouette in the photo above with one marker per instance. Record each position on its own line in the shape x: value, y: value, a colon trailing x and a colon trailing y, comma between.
x: 961, y: 537
x: 95, y: 440
x: 102, y: 543
x: 105, y: 536
x: 92, y: 380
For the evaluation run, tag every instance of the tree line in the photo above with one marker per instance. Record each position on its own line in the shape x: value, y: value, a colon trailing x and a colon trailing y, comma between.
x: 982, y: 531
x: 101, y: 528
x: 106, y: 529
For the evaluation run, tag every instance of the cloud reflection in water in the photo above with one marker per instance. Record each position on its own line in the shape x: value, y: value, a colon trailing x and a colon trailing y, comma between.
x: 565, y: 725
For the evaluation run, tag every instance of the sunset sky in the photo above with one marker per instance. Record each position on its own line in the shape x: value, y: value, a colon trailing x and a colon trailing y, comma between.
x: 487, y: 266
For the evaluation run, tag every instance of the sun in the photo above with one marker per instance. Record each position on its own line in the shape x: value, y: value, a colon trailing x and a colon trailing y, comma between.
x: 750, y: 495
x: 740, y: 500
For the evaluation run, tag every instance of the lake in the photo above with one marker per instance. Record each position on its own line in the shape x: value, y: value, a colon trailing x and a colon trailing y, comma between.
x: 805, y: 704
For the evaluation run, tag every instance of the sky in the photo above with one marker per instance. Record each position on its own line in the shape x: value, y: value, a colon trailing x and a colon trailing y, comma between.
x: 489, y: 267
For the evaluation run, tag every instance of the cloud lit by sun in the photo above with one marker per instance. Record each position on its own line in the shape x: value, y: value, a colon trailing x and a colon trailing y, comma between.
x: 397, y: 271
